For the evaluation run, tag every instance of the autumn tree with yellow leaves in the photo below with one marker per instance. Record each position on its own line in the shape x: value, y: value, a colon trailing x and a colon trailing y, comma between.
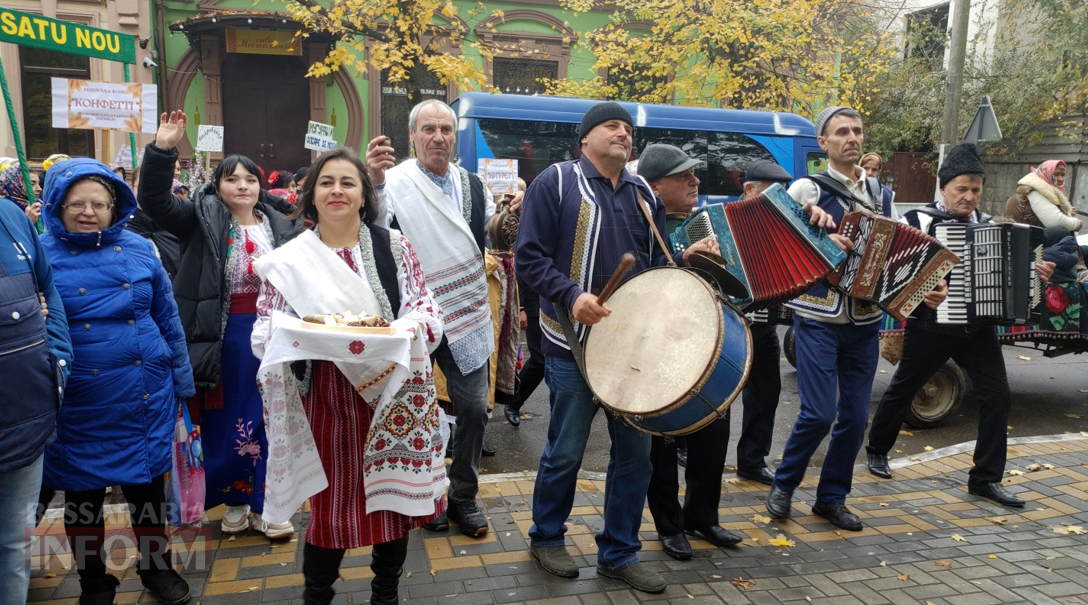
x: 787, y: 55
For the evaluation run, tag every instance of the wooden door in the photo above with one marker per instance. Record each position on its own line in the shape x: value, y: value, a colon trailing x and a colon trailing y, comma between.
x: 266, y: 108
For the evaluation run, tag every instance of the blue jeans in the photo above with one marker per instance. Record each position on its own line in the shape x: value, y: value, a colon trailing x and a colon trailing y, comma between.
x: 18, y: 501
x: 628, y: 475
x: 836, y: 364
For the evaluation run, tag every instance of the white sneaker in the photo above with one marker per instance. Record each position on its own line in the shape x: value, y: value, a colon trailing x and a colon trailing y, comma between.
x: 272, y: 531
x: 236, y: 520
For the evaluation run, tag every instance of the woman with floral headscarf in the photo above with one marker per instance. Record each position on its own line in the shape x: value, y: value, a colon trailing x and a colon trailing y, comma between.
x: 12, y: 187
x: 1040, y: 199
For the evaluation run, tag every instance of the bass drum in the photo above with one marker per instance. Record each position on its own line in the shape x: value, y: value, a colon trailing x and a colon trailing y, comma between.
x: 672, y: 356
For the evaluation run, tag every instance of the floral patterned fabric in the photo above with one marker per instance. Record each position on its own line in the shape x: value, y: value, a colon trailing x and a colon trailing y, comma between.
x: 1062, y: 308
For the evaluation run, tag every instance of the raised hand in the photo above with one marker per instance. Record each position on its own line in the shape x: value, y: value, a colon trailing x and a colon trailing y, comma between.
x: 379, y: 158
x: 171, y: 129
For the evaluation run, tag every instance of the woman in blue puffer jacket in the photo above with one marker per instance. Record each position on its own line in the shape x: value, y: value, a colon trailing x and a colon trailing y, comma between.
x: 130, y: 366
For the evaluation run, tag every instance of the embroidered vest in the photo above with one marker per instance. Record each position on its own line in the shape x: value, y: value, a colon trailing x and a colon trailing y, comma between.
x: 824, y: 300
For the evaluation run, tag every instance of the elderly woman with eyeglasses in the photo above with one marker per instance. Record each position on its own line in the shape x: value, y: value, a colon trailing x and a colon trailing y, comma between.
x: 130, y: 367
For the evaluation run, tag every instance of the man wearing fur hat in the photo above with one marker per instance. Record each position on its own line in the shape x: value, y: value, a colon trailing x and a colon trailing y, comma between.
x: 835, y: 337
x: 578, y: 219
x: 927, y: 345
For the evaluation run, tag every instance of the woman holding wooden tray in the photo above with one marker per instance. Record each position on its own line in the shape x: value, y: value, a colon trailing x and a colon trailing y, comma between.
x: 368, y: 398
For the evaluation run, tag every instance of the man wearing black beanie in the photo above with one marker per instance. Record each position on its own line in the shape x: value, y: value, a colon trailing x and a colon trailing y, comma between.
x: 927, y: 345
x: 578, y: 219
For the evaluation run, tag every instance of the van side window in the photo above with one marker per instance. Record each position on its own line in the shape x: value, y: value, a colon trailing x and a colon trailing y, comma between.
x: 730, y: 154
x: 816, y: 161
x: 535, y: 145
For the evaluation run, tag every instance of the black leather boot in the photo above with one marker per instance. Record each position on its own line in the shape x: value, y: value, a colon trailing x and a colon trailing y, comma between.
x: 98, y: 589
x: 320, y: 569
x: 387, y: 564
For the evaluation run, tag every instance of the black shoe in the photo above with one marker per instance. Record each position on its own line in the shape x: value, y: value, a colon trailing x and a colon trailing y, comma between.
x: 682, y: 456
x: 838, y: 515
x: 167, y: 585
x: 716, y: 535
x: 676, y: 546
x: 468, y: 516
x: 513, y: 415
x: 778, y: 502
x: 997, y: 493
x: 487, y: 450
x: 878, y: 465
x: 762, y: 475
x: 98, y: 590
x: 442, y: 523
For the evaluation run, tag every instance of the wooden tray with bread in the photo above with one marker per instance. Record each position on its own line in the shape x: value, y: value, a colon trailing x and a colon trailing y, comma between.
x: 347, y: 323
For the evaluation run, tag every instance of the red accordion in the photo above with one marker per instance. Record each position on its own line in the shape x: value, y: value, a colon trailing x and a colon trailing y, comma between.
x: 892, y: 264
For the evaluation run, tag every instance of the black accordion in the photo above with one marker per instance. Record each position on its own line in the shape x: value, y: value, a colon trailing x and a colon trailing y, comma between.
x: 995, y: 282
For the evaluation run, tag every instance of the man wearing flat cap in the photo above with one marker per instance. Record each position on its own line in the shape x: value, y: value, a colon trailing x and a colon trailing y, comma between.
x: 671, y: 175
x: 764, y: 386
x: 835, y: 337
x: 578, y: 219
x: 927, y: 345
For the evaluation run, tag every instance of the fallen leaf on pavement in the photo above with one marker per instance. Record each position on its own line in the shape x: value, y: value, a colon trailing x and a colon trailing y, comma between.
x: 1031, y: 468
x: 1023, y: 357
x: 958, y: 538
x: 432, y: 572
x: 1072, y: 415
x: 760, y: 519
x: 781, y: 540
x: 907, y: 433
x: 883, y: 505
x: 916, y: 458
x: 944, y: 564
x: 999, y: 520
x: 745, y: 584
x: 407, y: 574
x: 715, y: 576
x: 1048, y: 467
x: 1067, y: 530
x: 527, y: 416
x: 898, y: 451
x: 928, y: 448
x: 49, y: 575
x: 883, y: 564
x: 903, y: 577
x: 1016, y: 473
x: 993, y: 556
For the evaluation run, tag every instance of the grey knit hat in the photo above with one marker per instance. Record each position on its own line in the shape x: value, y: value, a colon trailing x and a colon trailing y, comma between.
x: 825, y: 116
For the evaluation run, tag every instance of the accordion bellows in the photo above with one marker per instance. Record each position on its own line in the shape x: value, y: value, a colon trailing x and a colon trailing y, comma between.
x: 892, y: 264
x: 996, y: 282
x: 767, y: 243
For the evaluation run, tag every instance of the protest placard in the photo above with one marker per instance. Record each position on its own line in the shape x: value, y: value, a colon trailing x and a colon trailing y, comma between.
x: 319, y: 137
x: 500, y: 176
x: 209, y: 138
x: 129, y: 107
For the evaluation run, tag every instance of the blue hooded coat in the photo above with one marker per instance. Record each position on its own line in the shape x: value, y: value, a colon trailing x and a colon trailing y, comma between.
x: 130, y: 359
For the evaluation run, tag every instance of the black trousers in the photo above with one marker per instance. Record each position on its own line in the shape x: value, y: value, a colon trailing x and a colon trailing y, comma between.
x: 85, y: 527
x: 532, y: 373
x: 760, y: 399
x: 979, y: 354
x: 703, y: 474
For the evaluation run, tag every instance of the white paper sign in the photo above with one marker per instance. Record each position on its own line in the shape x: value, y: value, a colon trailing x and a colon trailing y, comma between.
x: 128, y: 107
x: 500, y: 176
x: 319, y: 137
x: 124, y: 156
x: 209, y: 138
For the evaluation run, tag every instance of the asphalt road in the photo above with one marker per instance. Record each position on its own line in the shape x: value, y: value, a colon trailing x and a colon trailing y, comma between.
x: 1049, y: 396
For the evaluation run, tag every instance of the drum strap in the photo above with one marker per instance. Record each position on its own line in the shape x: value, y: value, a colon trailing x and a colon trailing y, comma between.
x: 571, y: 335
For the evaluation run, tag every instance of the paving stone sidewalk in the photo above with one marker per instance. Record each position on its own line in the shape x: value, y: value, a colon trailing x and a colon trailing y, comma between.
x: 926, y: 541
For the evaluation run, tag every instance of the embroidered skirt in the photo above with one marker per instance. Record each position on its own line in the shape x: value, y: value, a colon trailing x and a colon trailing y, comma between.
x: 232, y: 423
x: 340, y: 421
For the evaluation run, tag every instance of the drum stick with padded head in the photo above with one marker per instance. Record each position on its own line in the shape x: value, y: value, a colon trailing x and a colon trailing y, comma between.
x: 626, y: 262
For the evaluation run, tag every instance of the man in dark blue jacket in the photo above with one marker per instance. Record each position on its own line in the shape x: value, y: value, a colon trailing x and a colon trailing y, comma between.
x: 578, y: 219
x: 35, y: 352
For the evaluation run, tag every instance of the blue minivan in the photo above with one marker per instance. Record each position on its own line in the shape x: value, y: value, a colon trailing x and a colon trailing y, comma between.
x: 539, y: 131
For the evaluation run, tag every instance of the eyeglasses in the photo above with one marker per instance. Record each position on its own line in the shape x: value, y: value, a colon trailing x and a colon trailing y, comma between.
x: 79, y: 207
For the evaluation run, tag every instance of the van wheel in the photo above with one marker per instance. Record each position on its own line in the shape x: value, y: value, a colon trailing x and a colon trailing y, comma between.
x: 938, y: 399
x: 787, y: 347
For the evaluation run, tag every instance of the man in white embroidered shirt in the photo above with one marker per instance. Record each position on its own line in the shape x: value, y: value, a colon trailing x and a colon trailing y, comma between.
x: 443, y: 210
